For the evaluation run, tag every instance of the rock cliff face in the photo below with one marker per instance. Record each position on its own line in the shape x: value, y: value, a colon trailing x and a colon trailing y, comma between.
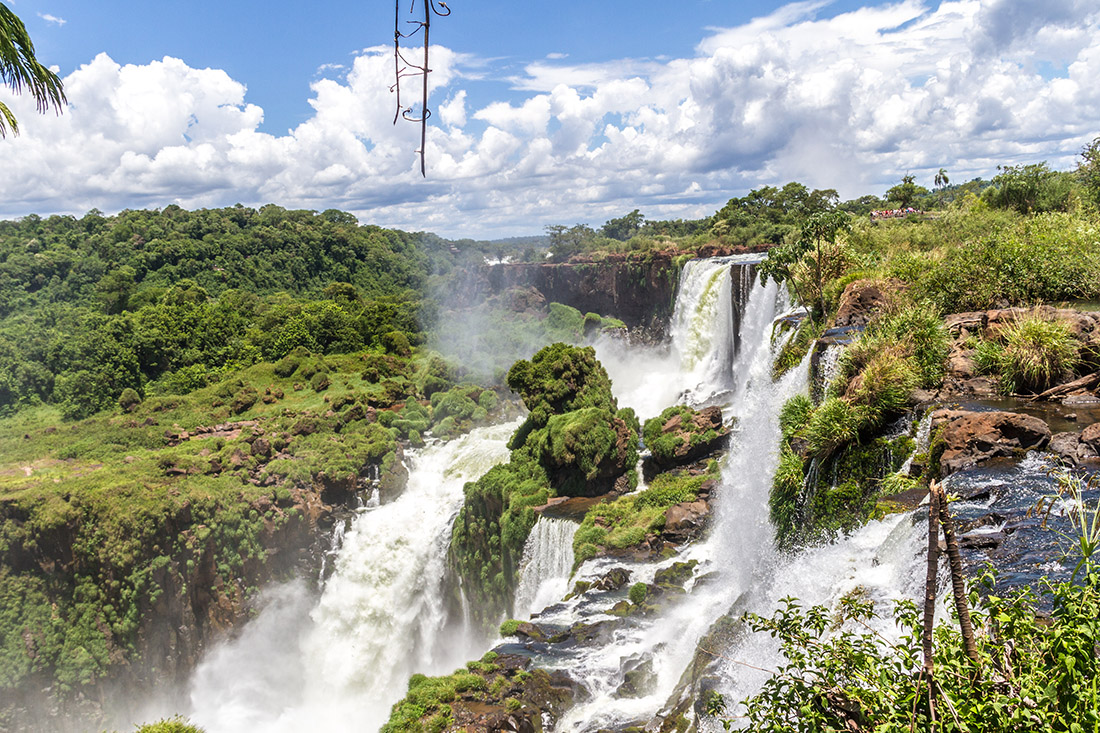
x: 641, y: 292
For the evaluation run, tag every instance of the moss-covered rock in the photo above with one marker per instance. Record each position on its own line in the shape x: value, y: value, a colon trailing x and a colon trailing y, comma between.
x: 574, y: 443
x: 498, y: 692
x: 681, y: 435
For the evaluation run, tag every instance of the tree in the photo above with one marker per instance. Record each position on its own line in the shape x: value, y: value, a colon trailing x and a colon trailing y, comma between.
x: 1088, y: 170
x: 624, y: 227
x: 941, y: 179
x: 811, y: 261
x: 1030, y: 188
x: 906, y: 192
x: 19, y: 70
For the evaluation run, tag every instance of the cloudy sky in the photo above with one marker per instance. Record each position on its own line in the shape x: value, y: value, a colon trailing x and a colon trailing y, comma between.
x: 543, y: 113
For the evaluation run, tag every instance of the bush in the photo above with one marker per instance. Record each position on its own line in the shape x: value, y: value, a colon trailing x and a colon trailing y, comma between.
x: 129, y: 399
x: 175, y: 724
x: 1031, y: 673
x: 320, y: 382
x: 834, y: 423
x: 638, y: 593
x: 397, y: 343
x: 1036, y: 352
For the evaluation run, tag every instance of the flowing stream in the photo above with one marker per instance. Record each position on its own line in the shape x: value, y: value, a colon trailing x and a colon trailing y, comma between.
x: 337, y: 661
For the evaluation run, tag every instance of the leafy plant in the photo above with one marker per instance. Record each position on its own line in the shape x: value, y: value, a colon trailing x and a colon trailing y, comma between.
x: 839, y: 675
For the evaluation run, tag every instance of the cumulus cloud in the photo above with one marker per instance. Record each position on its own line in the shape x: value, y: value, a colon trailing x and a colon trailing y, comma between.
x: 851, y: 100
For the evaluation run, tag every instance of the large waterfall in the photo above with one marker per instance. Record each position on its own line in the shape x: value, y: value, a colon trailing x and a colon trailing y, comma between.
x: 339, y: 661
x: 381, y: 617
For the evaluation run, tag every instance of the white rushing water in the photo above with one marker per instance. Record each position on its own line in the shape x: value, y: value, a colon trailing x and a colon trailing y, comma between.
x: 339, y: 664
x: 696, y: 366
x: 546, y: 565
x: 338, y: 661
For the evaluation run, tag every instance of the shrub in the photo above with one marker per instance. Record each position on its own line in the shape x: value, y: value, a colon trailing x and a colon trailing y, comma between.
x: 396, y: 342
x: 794, y: 414
x: 638, y: 593
x: 1030, y: 674
x: 129, y: 399
x: 885, y: 384
x: 1036, y: 352
x: 175, y: 724
x: 286, y: 366
x: 320, y: 382
x: 834, y: 423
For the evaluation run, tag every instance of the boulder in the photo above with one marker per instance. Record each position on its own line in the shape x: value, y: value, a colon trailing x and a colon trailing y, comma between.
x: 613, y: 579
x: 261, y: 447
x: 971, y: 438
x: 682, y: 435
x: 862, y: 299
x: 1091, y: 436
x: 1065, y: 445
x: 685, y: 520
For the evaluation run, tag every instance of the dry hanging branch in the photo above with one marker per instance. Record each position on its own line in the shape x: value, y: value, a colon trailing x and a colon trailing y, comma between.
x: 404, y: 68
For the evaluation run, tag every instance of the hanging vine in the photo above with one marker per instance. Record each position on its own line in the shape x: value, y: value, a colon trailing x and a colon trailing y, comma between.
x: 403, y: 68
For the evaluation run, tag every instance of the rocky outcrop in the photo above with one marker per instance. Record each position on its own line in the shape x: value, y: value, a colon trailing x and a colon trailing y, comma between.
x: 681, y: 435
x: 863, y: 299
x: 964, y: 379
x: 970, y: 438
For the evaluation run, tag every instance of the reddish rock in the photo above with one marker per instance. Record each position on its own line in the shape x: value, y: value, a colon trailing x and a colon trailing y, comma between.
x: 1090, y: 436
x: 862, y: 299
x: 973, y: 437
x: 685, y: 520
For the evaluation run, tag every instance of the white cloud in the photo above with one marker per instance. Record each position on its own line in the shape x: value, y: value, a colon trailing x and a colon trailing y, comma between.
x: 852, y: 101
x: 52, y: 19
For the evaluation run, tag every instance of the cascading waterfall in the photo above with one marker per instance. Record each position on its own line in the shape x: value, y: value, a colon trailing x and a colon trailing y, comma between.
x: 546, y: 565
x: 735, y: 551
x: 707, y: 326
x: 382, y: 615
x: 339, y: 661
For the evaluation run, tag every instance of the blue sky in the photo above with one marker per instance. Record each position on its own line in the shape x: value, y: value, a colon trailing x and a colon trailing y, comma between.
x: 544, y: 112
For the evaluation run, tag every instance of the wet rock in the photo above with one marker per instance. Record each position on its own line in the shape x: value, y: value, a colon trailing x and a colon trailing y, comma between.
x: 981, y: 541
x: 971, y: 438
x: 1065, y: 445
x: 639, y: 679
x: 613, y: 579
x: 677, y: 574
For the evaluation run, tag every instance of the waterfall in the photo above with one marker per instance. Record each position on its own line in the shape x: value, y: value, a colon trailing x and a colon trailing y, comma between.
x: 382, y: 615
x: 736, y: 551
x: 706, y: 331
x: 546, y: 565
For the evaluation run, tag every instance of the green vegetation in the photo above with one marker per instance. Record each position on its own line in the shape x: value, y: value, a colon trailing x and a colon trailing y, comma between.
x: 685, y: 432
x: 187, y: 495
x: 574, y: 442
x: 170, y: 725
x: 627, y: 520
x: 1033, y: 673
x: 1030, y: 354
